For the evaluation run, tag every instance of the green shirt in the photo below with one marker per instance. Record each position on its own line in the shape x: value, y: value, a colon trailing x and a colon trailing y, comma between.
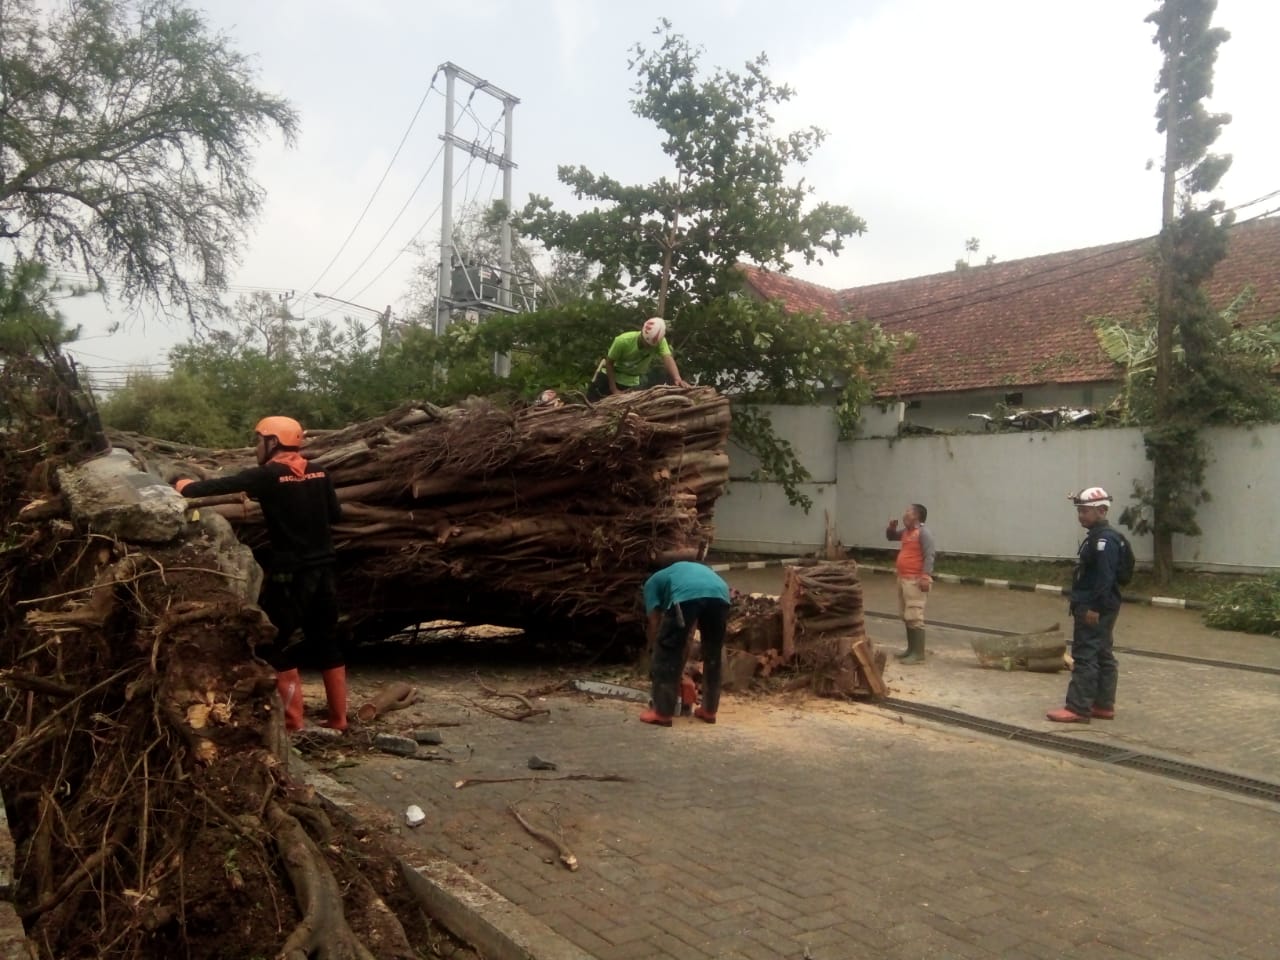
x: 632, y: 358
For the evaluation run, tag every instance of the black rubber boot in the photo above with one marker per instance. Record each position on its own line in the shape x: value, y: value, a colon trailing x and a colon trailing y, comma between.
x: 903, y: 654
x: 915, y: 646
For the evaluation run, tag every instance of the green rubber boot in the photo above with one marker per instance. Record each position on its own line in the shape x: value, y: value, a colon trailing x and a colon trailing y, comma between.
x: 915, y: 647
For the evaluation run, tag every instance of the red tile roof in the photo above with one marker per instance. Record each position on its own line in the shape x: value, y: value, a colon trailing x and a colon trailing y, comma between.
x: 1026, y: 322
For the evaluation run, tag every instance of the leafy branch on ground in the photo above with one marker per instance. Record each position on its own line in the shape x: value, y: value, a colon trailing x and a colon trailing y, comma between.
x: 1251, y: 605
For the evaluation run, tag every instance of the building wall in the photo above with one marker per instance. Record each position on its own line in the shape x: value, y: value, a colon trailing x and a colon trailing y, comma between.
x: 1002, y: 494
x: 756, y: 518
x: 812, y: 433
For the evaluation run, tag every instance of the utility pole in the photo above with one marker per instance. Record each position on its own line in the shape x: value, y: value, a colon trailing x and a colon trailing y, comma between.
x: 444, y: 293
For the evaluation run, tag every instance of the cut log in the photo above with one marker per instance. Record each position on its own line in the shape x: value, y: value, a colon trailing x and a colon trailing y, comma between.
x: 1018, y: 652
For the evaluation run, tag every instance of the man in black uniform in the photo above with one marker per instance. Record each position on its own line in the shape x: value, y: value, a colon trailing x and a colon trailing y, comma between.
x: 1095, y: 604
x: 298, y: 505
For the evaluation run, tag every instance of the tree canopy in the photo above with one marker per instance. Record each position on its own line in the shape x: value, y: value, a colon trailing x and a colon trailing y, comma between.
x: 125, y: 136
x: 678, y: 240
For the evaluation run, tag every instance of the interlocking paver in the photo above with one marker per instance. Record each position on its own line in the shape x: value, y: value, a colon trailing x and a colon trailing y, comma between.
x: 844, y: 830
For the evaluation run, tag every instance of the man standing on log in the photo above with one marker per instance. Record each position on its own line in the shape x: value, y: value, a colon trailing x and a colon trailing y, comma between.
x: 1095, y: 604
x: 298, y: 505
x: 678, y: 598
x: 629, y: 358
x: 915, y: 576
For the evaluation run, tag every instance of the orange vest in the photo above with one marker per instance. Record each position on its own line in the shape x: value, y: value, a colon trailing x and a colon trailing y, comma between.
x: 910, y: 562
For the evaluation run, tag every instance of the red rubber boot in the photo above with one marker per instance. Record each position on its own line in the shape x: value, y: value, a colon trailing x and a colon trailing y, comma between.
x: 335, y: 692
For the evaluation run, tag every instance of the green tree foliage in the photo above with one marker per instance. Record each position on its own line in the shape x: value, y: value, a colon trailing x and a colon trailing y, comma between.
x: 28, y: 317
x: 125, y: 131
x: 267, y: 361
x: 1193, y: 240
x: 178, y: 407
x: 754, y: 351
x: 679, y: 239
x: 1234, y: 386
x: 1251, y: 605
x: 674, y: 246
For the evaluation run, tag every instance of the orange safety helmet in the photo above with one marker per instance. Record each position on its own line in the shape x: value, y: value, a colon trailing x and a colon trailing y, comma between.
x: 286, y: 430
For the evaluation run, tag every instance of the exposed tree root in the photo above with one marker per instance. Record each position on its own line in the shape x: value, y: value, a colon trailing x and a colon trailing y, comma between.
x: 141, y: 750
x: 323, y: 932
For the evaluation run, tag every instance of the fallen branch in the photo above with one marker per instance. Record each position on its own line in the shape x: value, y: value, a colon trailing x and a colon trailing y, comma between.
x: 396, y: 696
x: 602, y: 778
x: 529, y: 711
x: 565, y: 854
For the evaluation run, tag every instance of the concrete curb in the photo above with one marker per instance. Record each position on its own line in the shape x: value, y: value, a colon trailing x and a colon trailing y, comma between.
x: 1050, y: 588
x: 472, y: 911
x: 13, y: 938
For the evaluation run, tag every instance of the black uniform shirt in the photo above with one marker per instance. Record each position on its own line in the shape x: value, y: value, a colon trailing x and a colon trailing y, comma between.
x: 297, y: 510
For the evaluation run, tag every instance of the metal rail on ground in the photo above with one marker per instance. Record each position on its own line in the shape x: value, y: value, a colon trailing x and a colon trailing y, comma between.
x: 1101, y: 752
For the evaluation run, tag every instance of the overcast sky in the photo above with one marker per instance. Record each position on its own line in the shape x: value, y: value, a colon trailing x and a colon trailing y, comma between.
x: 1025, y: 123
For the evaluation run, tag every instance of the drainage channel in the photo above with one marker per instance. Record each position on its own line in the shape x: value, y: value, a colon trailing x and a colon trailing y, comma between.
x: 1132, y: 651
x: 1101, y: 752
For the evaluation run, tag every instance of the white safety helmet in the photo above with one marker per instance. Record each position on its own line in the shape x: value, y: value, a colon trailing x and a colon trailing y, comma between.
x: 1091, y: 497
x: 654, y: 329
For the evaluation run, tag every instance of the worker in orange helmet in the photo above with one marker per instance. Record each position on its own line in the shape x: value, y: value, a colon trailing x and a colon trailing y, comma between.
x: 299, y: 505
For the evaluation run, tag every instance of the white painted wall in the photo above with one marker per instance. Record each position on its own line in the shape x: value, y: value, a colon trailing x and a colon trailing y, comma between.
x: 756, y: 518
x: 1003, y: 494
x: 812, y: 433
x: 997, y: 494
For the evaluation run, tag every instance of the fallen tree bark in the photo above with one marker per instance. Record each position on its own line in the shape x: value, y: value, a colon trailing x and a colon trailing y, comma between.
x: 546, y: 519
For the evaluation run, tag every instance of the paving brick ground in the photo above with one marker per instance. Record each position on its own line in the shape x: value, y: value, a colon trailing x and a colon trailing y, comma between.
x: 800, y: 828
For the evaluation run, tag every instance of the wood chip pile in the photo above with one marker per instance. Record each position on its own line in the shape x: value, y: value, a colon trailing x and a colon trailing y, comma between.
x: 543, y: 518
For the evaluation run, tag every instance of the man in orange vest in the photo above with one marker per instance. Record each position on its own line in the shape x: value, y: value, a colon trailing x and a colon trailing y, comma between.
x: 915, y: 576
x: 299, y: 505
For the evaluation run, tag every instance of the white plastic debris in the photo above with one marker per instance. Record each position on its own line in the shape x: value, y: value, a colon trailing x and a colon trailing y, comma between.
x: 413, y: 815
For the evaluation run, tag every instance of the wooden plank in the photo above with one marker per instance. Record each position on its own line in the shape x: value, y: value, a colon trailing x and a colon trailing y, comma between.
x: 862, y: 652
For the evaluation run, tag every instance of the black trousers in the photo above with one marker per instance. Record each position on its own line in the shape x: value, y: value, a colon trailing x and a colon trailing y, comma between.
x: 1095, y: 674
x: 598, y: 388
x: 305, y: 600
x: 710, y: 615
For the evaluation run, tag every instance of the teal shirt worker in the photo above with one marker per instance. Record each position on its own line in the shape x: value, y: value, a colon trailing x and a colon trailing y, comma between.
x: 683, y: 580
x: 678, y: 598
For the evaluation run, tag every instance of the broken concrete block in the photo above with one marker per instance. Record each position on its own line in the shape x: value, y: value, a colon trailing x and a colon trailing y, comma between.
x: 113, y: 496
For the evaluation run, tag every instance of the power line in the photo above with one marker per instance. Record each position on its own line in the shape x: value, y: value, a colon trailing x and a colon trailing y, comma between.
x: 414, y: 236
x: 390, y: 226
x: 491, y: 130
x: 360, y: 219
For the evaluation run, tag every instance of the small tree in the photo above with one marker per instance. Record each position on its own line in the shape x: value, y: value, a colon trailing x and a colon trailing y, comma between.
x: 673, y: 247
x: 1193, y: 240
x: 677, y: 241
x: 125, y: 131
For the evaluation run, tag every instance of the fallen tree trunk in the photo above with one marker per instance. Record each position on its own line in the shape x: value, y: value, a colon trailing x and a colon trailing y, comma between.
x: 546, y: 519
